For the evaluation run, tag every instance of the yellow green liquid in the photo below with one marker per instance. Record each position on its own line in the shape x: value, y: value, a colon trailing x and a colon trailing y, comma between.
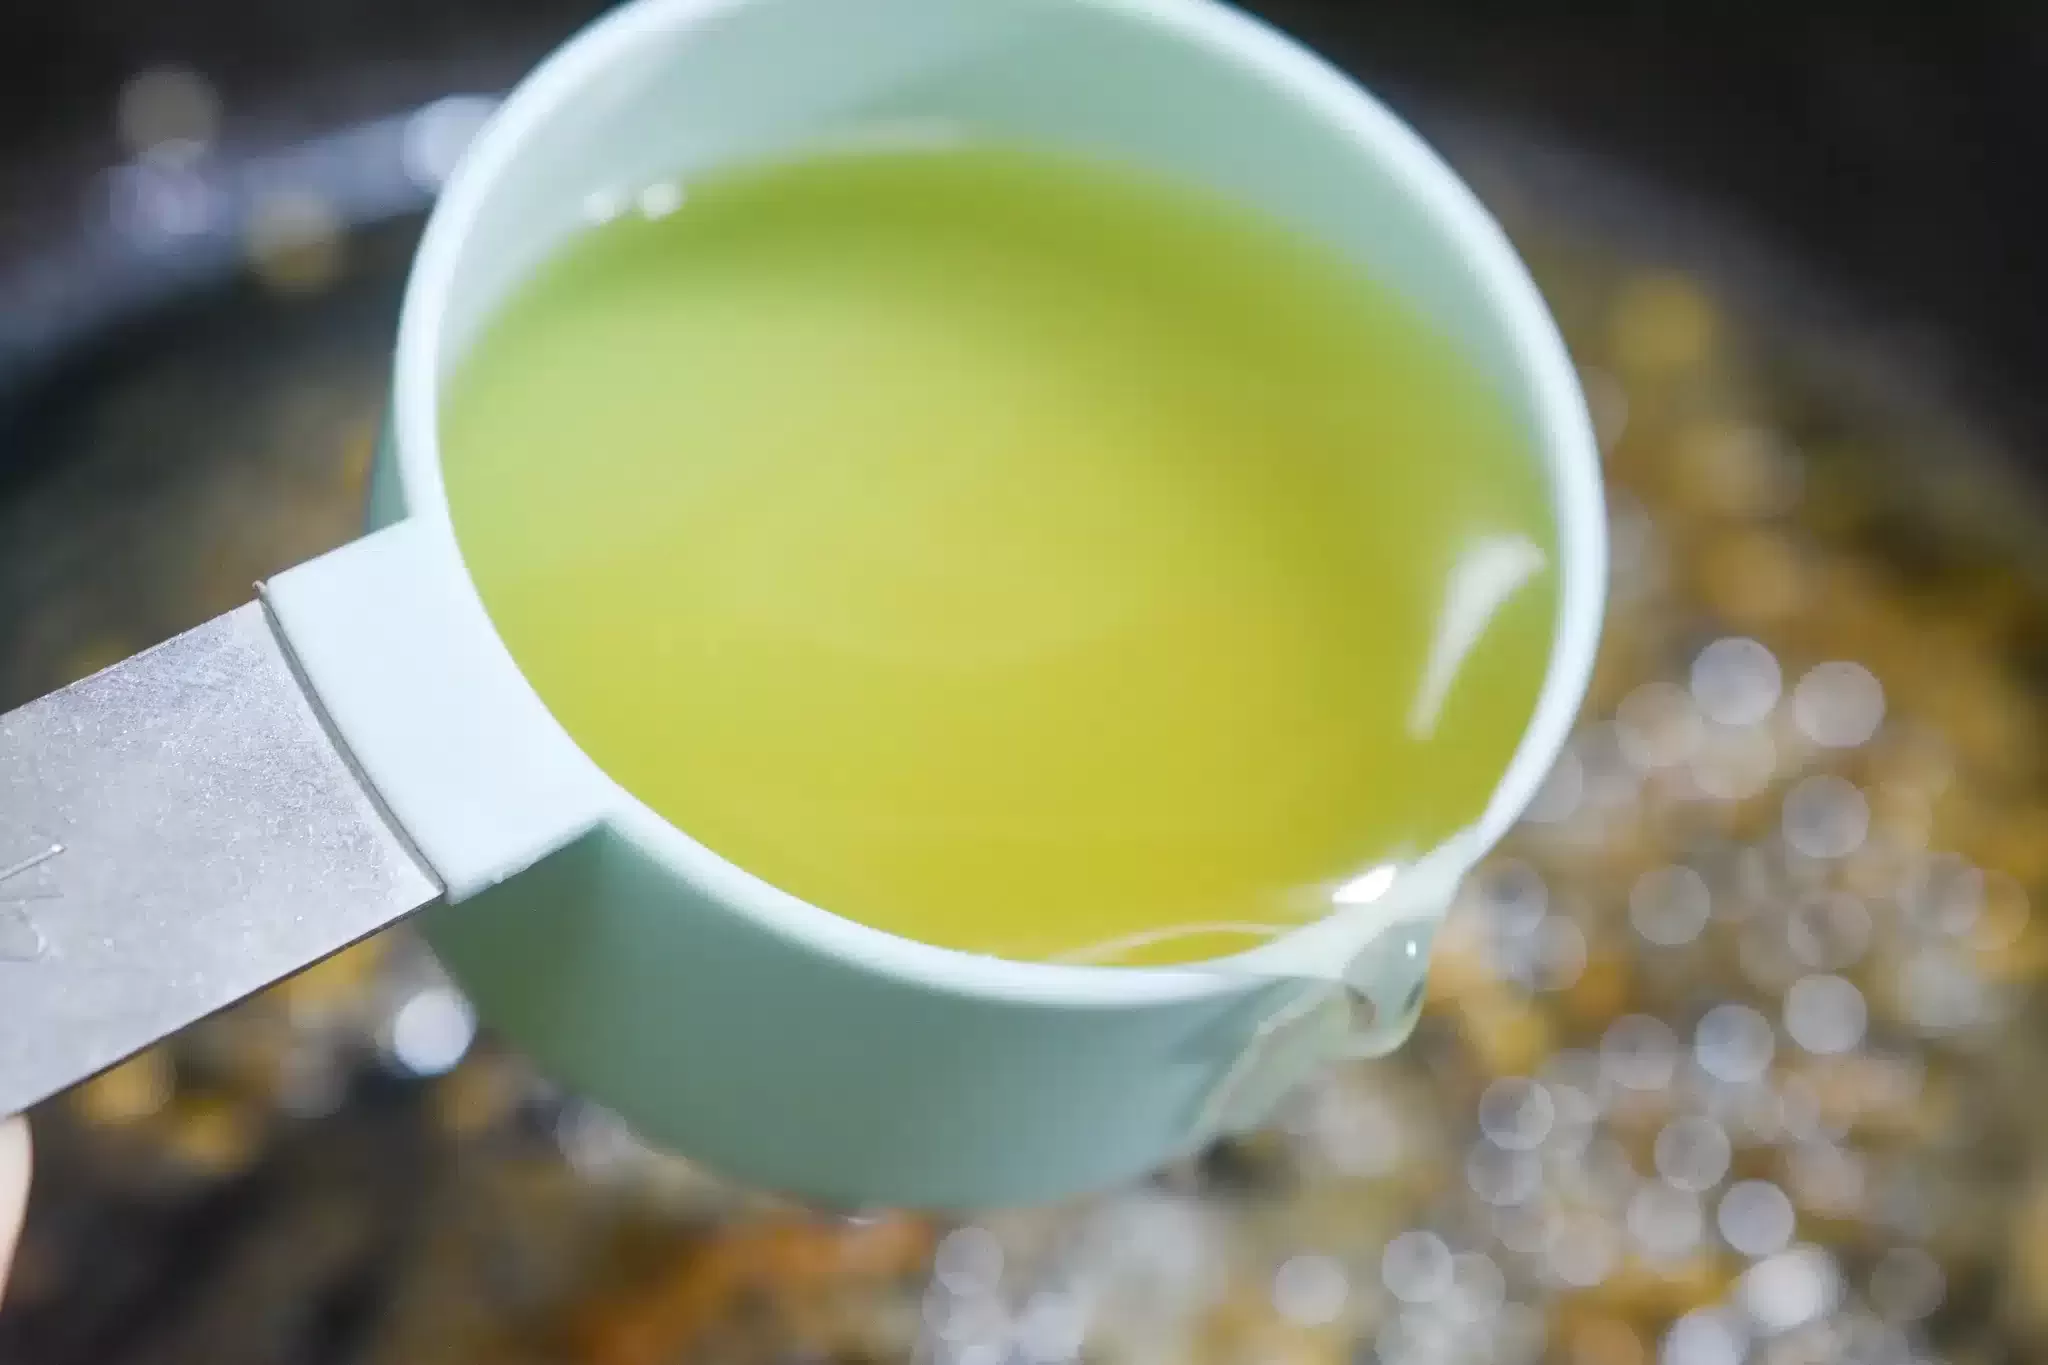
x: 1009, y: 552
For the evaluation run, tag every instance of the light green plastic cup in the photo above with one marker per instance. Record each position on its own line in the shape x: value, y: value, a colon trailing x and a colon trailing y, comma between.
x: 770, y: 1039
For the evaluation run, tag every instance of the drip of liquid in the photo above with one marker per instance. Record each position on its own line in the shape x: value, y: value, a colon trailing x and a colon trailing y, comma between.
x: 1011, y: 552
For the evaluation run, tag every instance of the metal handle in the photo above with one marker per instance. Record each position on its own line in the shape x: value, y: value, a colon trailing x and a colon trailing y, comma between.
x: 175, y: 833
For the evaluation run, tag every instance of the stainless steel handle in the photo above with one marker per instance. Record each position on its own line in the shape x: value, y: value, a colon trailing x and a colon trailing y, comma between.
x: 175, y: 833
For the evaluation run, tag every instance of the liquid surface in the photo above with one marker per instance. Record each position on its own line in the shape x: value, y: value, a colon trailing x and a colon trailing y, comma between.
x: 1011, y: 553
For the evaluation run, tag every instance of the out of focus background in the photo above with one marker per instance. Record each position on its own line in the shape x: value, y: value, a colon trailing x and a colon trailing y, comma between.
x: 1735, y: 1054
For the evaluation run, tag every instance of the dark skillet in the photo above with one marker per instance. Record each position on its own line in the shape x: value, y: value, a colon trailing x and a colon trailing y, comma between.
x: 172, y: 427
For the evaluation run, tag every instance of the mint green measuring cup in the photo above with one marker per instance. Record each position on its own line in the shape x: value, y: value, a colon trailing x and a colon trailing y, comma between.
x: 768, y: 1038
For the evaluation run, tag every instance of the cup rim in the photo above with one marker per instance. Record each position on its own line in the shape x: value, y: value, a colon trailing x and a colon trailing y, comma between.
x: 1564, y: 439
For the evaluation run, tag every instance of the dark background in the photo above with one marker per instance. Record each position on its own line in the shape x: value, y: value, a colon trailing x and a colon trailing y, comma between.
x: 1896, y: 151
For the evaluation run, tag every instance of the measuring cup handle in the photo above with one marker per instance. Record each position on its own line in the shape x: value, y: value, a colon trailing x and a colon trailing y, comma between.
x: 392, y: 639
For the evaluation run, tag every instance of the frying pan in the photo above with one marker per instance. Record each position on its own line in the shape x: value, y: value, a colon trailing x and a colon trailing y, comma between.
x: 1865, y: 178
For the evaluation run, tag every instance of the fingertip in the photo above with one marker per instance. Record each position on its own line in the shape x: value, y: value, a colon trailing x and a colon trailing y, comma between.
x: 14, y: 1170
